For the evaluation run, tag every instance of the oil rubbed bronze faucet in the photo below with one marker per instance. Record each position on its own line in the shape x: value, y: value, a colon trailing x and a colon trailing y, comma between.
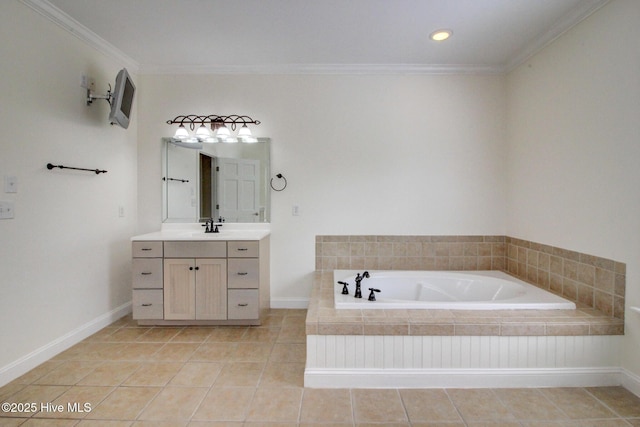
x: 359, y: 279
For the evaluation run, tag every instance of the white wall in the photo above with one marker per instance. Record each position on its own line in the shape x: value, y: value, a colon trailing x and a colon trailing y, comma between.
x: 573, y: 127
x: 65, y: 258
x: 362, y: 155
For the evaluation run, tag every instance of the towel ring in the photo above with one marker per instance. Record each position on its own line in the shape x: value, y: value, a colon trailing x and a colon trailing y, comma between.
x: 279, y: 176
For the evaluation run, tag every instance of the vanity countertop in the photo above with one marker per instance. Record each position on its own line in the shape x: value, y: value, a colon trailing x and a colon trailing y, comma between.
x: 174, y: 232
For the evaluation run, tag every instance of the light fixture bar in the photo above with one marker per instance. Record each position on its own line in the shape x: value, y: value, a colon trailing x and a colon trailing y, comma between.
x: 231, y: 121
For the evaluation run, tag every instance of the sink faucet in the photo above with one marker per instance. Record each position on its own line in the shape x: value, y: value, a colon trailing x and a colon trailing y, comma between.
x: 359, y: 278
x: 211, y: 226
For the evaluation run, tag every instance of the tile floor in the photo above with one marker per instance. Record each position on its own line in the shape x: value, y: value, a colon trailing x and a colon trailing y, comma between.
x: 253, y: 376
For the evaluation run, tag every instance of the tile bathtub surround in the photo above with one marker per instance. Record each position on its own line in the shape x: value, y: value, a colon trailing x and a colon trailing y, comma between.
x: 410, y: 252
x: 112, y: 371
x: 595, y: 282
x: 590, y: 281
x: 324, y: 319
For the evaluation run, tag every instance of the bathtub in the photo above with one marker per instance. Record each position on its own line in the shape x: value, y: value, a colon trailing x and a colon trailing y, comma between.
x: 453, y: 290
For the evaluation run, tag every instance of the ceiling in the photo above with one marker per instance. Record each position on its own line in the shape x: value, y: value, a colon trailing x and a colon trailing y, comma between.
x: 298, y: 36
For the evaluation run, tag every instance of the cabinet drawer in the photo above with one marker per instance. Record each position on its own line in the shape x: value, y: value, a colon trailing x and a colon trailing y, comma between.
x: 148, y: 304
x: 147, y: 249
x: 242, y: 249
x: 243, y: 304
x: 195, y: 249
x: 147, y: 273
x: 243, y: 273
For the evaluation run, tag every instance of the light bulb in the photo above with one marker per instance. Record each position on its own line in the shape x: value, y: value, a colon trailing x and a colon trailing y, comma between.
x: 181, y: 133
x: 244, y: 132
x: 203, y: 133
x: 223, y: 132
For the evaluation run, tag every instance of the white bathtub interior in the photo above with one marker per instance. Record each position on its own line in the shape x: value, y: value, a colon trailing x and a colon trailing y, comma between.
x: 455, y: 290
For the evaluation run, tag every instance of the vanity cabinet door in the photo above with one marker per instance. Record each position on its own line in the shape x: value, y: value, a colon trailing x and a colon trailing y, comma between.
x: 211, y: 289
x: 179, y: 289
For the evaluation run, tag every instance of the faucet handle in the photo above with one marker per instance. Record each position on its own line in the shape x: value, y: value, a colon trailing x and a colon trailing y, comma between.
x: 372, y: 295
x: 345, y: 291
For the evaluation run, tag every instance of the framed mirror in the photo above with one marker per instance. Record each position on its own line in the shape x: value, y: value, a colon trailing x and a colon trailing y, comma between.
x: 202, y: 181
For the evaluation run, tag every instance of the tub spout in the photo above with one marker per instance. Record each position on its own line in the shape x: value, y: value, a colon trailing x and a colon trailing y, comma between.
x: 359, y: 278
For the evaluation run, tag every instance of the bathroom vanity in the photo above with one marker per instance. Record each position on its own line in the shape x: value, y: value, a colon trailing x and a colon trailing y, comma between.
x: 184, y: 276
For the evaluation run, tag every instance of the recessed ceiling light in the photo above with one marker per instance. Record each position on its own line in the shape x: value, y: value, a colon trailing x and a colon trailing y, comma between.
x: 440, y: 35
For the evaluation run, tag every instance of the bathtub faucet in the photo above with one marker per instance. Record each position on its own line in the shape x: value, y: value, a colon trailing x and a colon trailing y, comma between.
x: 345, y: 290
x: 359, y: 278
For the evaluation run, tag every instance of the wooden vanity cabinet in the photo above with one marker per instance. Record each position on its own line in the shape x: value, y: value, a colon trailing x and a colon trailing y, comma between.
x: 147, y: 282
x: 202, y: 282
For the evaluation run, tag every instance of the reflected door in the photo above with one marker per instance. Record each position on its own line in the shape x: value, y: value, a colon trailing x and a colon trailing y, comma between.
x: 238, y: 186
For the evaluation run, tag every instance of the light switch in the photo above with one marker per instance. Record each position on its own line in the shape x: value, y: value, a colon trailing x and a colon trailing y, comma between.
x: 10, y: 184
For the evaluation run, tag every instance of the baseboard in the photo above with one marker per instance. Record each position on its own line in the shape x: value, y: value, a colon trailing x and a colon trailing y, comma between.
x: 631, y: 382
x: 461, y: 378
x: 296, y: 303
x: 23, y: 365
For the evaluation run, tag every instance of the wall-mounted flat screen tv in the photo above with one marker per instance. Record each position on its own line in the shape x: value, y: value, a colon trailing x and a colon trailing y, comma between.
x: 122, y: 99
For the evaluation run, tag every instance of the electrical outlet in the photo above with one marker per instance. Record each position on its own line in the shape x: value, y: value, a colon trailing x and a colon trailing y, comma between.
x: 6, y: 210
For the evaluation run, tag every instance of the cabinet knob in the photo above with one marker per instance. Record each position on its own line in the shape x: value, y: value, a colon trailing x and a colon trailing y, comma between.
x: 243, y: 249
x: 240, y: 273
x: 147, y: 305
x: 190, y: 268
x: 146, y: 249
x: 145, y: 273
x: 243, y: 304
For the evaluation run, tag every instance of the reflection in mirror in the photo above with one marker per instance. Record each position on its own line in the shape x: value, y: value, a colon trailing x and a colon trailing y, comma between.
x: 202, y: 181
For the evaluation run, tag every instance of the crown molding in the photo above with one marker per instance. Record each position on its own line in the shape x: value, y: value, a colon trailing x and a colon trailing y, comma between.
x: 561, y: 26
x: 352, y: 69
x: 58, y: 17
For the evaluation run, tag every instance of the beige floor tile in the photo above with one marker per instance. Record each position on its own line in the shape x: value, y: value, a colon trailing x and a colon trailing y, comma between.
x: 75, y: 352
x: 326, y: 405
x: 110, y: 373
x: 124, y: 403
x: 576, y: 403
x: 192, y: 334
x: 68, y: 373
x: 155, y: 374
x: 438, y: 424
x: 429, y: 405
x: 174, y: 403
x: 214, y: 352
x: 225, y: 404
x: 596, y: 423
x: 275, y: 404
x: 240, y: 374
x: 159, y: 334
x: 284, y: 353
x: 252, y: 352
x: 529, y: 404
x: 10, y: 389
x: 283, y: 375
x: 38, y: 372
x: 49, y: 423
x: 292, y: 333
x: 197, y: 374
x: 127, y: 334
x: 12, y: 422
x: 34, y: 394
x: 494, y: 424
x: 620, y: 400
x: 226, y: 334
x: 136, y: 351
x: 103, y: 423
x: 378, y: 406
x: 272, y: 321
x: 76, y: 402
x: 479, y: 405
x: 266, y: 335
x: 635, y: 422
x: 157, y: 423
x: 175, y: 352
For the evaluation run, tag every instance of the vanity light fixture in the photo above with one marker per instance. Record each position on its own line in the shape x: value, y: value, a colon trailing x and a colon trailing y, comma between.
x: 440, y: 35
x: 213, y: 128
